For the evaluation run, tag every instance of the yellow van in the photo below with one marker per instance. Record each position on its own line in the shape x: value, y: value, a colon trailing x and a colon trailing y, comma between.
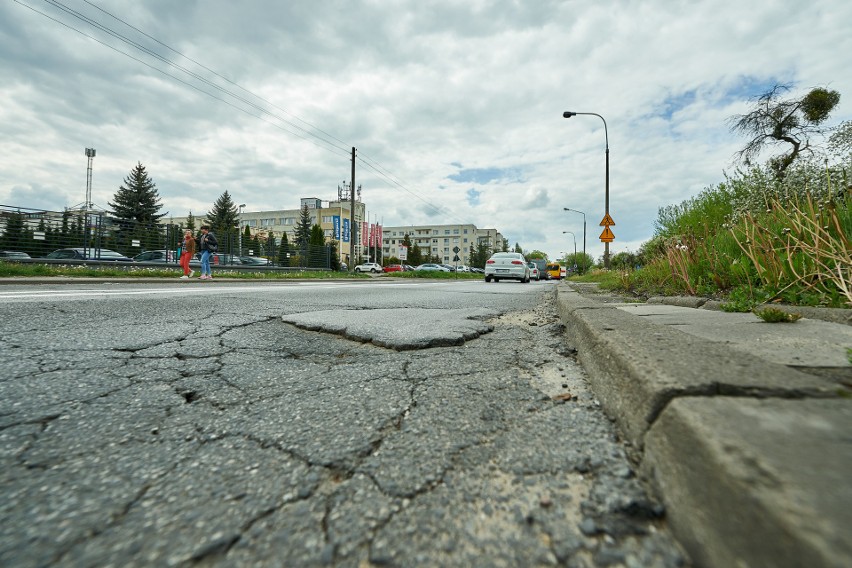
x: 554, y: 270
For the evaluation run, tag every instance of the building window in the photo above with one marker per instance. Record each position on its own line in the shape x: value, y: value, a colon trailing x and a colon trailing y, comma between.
x: 446, y: 231
x: 455, y: 231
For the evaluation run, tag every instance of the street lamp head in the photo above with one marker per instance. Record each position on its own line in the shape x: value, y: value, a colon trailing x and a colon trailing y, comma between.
x: 568, y: 114
x: 242, y: 204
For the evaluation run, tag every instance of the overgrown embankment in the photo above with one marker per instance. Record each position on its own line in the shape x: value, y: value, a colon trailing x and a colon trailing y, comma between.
x: 753, y: 238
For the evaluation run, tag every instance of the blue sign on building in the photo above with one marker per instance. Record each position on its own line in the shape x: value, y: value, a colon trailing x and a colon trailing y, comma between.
x: 336, y: 220
x: 345, y: 230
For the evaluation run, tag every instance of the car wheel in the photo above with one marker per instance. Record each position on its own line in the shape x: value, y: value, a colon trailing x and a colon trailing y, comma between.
x: 488, y: 279
x: 496, y: 280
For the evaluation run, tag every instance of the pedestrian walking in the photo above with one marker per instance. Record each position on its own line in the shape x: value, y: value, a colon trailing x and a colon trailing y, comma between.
x: 208, y: 245
x: 187, y: 251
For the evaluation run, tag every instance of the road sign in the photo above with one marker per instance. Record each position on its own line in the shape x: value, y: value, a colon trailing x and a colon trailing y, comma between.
x: 456, y: 250
x: 456, y: 258
x: 403, y: 252
x: 607, y: 236
x: 607, y: 221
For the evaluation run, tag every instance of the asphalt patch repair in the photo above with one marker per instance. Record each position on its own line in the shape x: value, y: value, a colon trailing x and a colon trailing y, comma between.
x: 401, y: 329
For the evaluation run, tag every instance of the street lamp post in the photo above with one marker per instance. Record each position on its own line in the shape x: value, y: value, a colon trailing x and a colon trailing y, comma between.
x: 569, y: 114
x: 575, y: 243
x: 584, y: 231
x: 240, y: 233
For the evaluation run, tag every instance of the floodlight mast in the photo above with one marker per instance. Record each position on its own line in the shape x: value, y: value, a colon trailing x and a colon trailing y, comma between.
x: 90, y: 154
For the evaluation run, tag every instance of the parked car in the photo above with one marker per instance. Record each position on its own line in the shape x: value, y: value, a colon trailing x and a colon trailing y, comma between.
x: 217, y: 259
x: 477, y: 270
x: 393, y: 268
x: 13, y: 255
x: 462, y: 268
x: 507, y: 265
x: 157, y: 256
x: 369, y: 267
x: 407, y: 267
x: 534, y: 274
x: 88, y: 254
x: 433, y: 267
x: 255, y: 261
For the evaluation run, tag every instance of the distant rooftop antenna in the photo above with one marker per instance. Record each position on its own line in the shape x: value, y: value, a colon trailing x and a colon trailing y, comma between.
x: 90, y: 153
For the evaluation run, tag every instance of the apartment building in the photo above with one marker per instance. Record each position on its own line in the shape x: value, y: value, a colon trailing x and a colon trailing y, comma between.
x: 440, y: 240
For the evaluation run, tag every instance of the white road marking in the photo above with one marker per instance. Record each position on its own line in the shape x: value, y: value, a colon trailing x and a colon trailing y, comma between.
x: 207, y: 288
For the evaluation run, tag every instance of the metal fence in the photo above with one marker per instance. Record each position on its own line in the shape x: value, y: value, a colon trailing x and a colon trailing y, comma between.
x: 38, y: 232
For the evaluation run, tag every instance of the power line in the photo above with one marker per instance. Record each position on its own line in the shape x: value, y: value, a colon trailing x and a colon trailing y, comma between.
x: 318, y: 129
x: 329, y: 146
x: 319, y: 141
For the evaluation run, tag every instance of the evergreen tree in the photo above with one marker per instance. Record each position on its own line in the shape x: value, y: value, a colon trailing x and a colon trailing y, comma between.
x: 271, y: 247
x: 246, y: 240
x: 415, y: 255
x: 136, y: 207
x: 303, y: 228
x: 284, y: 251
x: 14, y: 234
x: 223, y: 222
x: 334, y: 256
x: 190, y: 222
x: 518, y: 248
x: 317, y: 248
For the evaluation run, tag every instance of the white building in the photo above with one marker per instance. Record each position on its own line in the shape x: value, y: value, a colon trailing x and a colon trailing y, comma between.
x: 440, y: 240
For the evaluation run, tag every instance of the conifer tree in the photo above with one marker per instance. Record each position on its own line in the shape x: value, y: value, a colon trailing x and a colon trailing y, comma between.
x: 284, y: 250
x: 136, y: 207
x: 303, y: 229
x: 223, y: 222
x: 317, y: 247
x: 190, y: 222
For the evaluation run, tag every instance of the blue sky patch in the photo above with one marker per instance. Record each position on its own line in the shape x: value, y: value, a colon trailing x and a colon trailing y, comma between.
x: 473, y: 197
x: 482, y: 176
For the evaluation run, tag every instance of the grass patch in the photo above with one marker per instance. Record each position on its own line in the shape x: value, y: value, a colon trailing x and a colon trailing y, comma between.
x: 15, y: 269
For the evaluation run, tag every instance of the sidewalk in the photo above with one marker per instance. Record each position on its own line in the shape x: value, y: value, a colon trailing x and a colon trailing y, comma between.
x: 744, y: 428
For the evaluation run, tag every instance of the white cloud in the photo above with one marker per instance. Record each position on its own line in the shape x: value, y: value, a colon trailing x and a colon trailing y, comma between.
x: 424, y: 90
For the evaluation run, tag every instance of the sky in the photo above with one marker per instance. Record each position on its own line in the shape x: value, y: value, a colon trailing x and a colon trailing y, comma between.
x: 454, y: 106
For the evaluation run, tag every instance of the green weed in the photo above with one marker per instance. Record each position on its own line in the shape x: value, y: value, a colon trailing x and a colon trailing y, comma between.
x: 774, y: 315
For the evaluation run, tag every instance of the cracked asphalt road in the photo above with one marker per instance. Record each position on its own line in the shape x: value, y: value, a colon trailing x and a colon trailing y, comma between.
x: 196, y: 426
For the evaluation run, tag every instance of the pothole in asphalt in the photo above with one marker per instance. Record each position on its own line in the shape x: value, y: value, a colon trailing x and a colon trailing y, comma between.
x: 400, y: 329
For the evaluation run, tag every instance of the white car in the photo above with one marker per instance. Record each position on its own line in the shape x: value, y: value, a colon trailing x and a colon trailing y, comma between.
x: 369, y: 267
x: 534, y: 275
x: 433, y: 267
x: 507, y: 266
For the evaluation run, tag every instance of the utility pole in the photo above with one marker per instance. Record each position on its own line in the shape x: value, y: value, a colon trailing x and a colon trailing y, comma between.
x: 352, y: 231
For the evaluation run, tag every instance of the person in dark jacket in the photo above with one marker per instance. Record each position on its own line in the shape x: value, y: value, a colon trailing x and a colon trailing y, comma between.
x: 208, y: 245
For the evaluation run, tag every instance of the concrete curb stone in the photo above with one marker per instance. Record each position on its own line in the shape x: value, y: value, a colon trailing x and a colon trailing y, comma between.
x: 834, y: 315
x: 750, y: 457
x: 755, y: 482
